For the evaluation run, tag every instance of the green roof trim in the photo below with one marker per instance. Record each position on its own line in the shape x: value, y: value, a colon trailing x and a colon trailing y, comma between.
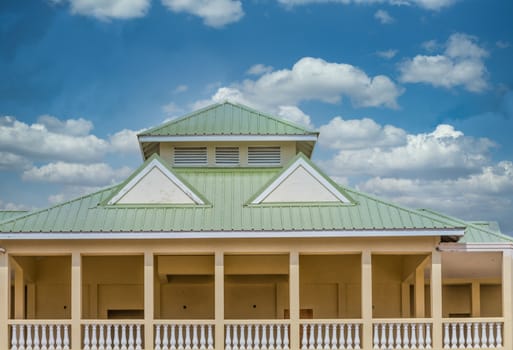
x: 10, y: 214
x: 291, y: 163
x: 475, y: 232
x: 227, y: 118
x: 148, y: 163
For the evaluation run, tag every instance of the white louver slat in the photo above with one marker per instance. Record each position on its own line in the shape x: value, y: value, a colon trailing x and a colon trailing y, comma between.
x: 264, y: 156
x: 189, y: 156
x: 227, y: 156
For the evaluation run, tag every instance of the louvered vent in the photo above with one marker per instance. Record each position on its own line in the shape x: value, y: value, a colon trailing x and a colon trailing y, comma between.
x: 186, y: 156
x: 264, y: 156
x: 227, y: 156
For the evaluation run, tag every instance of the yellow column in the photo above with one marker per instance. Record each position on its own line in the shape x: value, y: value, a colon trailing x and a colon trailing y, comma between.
x: 148, y: 300
x: 367, y: 298
x: 4, y: 300
x: 19, y: 291
x: 219, y: 300
x: 476, y: 299
x: 436, y: 298
x: 76, y: 300
x: 507, y: 302
x: 294, y: 300
x: 405, y: 299
x: 420, y: 311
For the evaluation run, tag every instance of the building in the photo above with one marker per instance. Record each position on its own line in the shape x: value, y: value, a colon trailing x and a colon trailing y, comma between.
x: 229, y: 237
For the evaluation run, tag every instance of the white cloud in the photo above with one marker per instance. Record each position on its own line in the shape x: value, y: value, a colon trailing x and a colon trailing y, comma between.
x: 74, y: 127
x: 12, y: 206
x: 430, y: 45
x: 311, y: 79
x: 259, y: 69
x: 96, y: 174
x: 215, y: 13
x: 426, y: 4
x: 443, y: 153
x: 388, y: 54
x: 357, y: 134
x: 10, y: 161
x: 125, y: 141
x: 296, y: 115
x: 501, y: 44
x: 109, y: 9
x: 70, y: 192
x: 383, y: 16
x: 461, y: 64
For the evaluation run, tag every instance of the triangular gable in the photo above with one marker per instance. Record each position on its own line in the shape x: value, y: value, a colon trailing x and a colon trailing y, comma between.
x: 155, y: 183
x: 301, y: 182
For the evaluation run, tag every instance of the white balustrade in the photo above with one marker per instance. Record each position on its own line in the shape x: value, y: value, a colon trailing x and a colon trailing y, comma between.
x: 110, y: 336
x: 475, y: 335
x: 40, y: 336
x: 333, y: 336
x: 174, y: 336
x: 402, y: 335
x: 268, y: 336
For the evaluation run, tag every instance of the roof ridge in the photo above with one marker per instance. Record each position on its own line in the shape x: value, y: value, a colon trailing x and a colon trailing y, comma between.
x: 397, y: 206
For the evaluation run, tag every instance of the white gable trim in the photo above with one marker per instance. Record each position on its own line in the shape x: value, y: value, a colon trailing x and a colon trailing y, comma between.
x: 300, y: 162
x: 228, y: 138
x: 155, y: 164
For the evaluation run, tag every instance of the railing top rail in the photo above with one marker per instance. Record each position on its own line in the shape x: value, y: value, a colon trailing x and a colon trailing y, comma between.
x: 402, y: 320
x: 112, y: 322
x: 183, y: 322
x: 331, y: 321
x: 259, y: 322
x: 39, y: 322
x: 472, y: 319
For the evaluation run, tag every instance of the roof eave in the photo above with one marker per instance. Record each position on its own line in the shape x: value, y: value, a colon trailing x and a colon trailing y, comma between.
x: 235, y: 138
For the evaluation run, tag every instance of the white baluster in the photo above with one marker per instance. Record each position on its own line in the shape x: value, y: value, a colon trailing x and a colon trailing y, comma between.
x: 413, y: 339
x: 421, y: 341
x: 376, y: 337
x: 172, y: 341
x: 165, y: 338
x: 131, y: 340
x: 278, y: 337
x: 21, y: 339
x: 108, y: 338
x: 398, y: 339
x: 491, y: 336
x: 484, y: 338
x: 341, y: 337
x: 58, y: 340
x: 256, y: 338
x: 326, y: 337
x: 383, y: 339
x: 138, y: 338
x: 272, y: 343
x: 29, y: 337
x: 304, y: 338
x: 311, y: 338
x: 101, y: 337
x: 180, y: 337
x: 65, y: 341
x: 187, y: 337
x: 286, y: 337
x: 264, y: 338
x: 44, y: 341
x: 94, y: 339
x: 429, y: 342
x: 227, y: 339
x: 37, y: 341
x: 14, y: 337
x: 51, y: 339
x: 195, y: 338
x: 203, y: 338
x: 406, y: 337
x: 447, y: 341
x: 249, y: 339
x: 454, y: 336
x: 116, y: 337
x: 235, y: 338
x: 210, y: 338
x: 390, y: 336
x: 477, y: 340
x: 461, y: 338
x: 319, y: 337
x: 242, y: 340
x: 157, y: 342
x: 350, y: 336
x: 123, y: 337
x: 334, y: 336
x: 468, y: 339
x: 498, y: 339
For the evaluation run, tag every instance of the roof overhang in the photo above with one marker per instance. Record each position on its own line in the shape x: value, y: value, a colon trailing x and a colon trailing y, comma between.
x: 229, y: 234
x: 234, y: 138
x: 474, y: 247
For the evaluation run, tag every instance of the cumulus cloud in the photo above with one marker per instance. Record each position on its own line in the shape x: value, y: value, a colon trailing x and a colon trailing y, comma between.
x: 442, y: 153
x: 311, y: 79
x: 259, y: 69
x: 296, y: 115
x: 357, y: 134
x: 430, y: 45
x: 74, y: 127
x: 383, y: 16
x: 12, y: 206
x: 125, y: 141
x: 96, y: 174
x: 461, y: 64
x: 108, y: 9
x: 215, y: 13
x: 10, y: 161
x: 426, y: 4
x: 388, y: 54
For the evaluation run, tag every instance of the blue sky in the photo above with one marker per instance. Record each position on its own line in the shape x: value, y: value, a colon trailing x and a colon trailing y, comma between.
x: 413, y: 98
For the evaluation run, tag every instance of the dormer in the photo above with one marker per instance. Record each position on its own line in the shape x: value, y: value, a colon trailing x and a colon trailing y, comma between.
x: 227, y: 135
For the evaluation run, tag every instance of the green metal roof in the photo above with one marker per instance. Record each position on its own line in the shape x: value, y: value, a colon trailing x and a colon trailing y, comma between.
x: 475, y: 232
x: 227, y: 189
x: 227, y: 119
x: 9, y: 214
